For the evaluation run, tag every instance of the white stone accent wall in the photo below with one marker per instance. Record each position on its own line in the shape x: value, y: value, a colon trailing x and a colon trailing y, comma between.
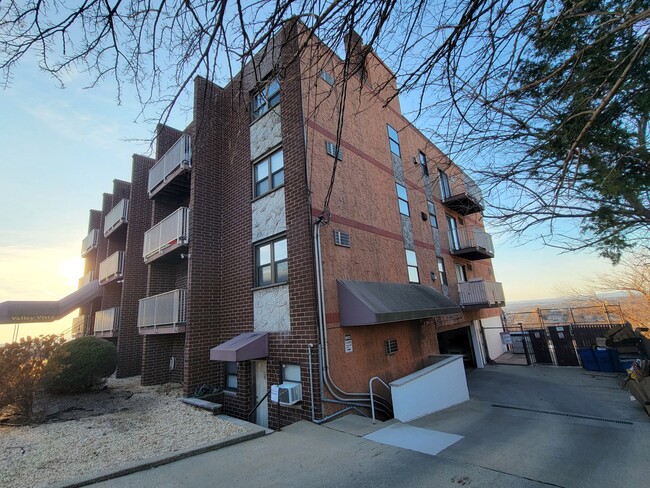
x: 271, y: 309
x: 266, y: 133
x: 269, y: 216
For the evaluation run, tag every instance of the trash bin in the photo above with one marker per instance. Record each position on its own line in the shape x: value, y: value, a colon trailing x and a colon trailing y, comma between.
x: 588, y: 359
x: 605, y: 360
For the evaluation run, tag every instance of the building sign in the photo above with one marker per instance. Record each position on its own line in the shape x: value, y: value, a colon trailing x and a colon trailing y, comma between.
x: 506, y: 338
x: 20, y: 319
x: 348, y: 343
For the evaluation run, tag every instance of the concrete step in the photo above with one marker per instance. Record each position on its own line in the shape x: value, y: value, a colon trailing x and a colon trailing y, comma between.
x: 215, y: 408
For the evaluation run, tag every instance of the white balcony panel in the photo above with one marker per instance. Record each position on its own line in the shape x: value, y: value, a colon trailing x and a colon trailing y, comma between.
x: 90, y: 242
x: 164, y: 310
x: 118, y: 215
x: 481, y: 293
x: 87, y: 278
x: 470, y: 238
x: 177, y: 158
x: 112, y: 267
x: 107, y: 321
x: 78, y: 326
x: 170, y: 233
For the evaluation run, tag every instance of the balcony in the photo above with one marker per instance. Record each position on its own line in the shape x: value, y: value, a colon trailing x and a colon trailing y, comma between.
x: 163, y: 314
x: 462, y: 195
x: 87, y: 278
x: 78, y: 326
x: 117, y: 218
x: 481, y: 294
x: 170, y: 175
x: 107, y: 322
x: 89, y: 243
x: 111, y: 268
x: 470, y: 243
x: 169, y: 235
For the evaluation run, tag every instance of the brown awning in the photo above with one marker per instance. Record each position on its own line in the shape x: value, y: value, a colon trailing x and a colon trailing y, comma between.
x: 246, y: 346
x: 369, y: 302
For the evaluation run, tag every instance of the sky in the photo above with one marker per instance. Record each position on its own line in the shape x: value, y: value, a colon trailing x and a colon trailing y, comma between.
x: 62, y: 148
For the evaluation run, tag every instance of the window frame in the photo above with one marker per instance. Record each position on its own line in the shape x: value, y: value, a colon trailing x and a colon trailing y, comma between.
x: 273, y: 263
x: 287, y: 380
x: 270, y: 174
x: 394, y: 140
x: 410, y: 266
x: 401, y: 200
x: 230, y: 374
x: 461, y: 272
x: 433, y: 217
x: 423, y: 163
x: 445, y: 188
x: 442, y: 271
x: 454, y: 235
x: 267, y: 103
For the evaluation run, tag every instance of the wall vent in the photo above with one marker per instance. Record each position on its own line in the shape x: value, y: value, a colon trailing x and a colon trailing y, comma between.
x: 341, y: 238
x: 391, y: 346
x: 330, y: 147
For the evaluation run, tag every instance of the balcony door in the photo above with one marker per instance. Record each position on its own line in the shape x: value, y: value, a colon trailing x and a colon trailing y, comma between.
x: 461, y: 273
x: 445, y: 189
x: 454, y: 240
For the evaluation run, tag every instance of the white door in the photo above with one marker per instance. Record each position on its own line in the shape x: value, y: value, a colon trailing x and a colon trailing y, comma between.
x: 262, y: 412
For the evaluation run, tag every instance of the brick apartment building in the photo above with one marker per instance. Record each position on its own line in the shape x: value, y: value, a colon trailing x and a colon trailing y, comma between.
x: 252, y: 252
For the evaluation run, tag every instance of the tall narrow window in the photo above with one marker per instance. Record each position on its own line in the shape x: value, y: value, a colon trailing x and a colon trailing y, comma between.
x: 268, y: 173
x: 231, y: 376
x: 454, y: 238
x: 267, y: 97
x: 402, y: 199
x: 442, y: 272
x: 444, y: 185
x: 432, y: 215
x: 393, y: 140
x: 412, y: 267
x: 461, y: 273
x: 271, y: 263
x: 423, y: 164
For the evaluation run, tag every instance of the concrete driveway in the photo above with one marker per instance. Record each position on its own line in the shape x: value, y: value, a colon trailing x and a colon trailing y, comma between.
x: 523, y: 427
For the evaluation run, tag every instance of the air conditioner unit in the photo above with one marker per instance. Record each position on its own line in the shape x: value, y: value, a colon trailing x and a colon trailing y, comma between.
x: 289, y: 393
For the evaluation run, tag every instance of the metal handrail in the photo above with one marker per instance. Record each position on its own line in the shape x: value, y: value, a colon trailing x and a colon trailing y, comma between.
x: 372, y: 397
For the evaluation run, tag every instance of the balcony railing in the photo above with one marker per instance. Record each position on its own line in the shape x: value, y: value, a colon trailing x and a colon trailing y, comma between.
x: 175, y: 161
x: 118, y: 215
x: 78, y: 326
x: 471, y: 243
x: 463, y: 195
x: 167, y: 235
x: 90, y: 242
x: 107, y: 322
x: 87, y: 278
x: 111, y: 268
x: 481, y: 294
x: 163, y: 313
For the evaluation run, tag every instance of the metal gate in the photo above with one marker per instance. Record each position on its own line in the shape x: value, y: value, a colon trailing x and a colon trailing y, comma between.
x: 585, y: 334
x: 565, y: 351
x: 539, y: 343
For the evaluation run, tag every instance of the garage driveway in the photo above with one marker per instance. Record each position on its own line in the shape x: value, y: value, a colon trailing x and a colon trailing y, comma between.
x: 523, y: 427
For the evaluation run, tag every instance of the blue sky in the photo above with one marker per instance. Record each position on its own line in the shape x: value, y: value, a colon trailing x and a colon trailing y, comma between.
x: 62, y: 148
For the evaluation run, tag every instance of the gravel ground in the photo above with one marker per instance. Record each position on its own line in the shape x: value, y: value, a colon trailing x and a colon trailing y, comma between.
x: 120, y: 424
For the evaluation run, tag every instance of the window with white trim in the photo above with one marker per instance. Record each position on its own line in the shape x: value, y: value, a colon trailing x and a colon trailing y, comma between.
x: 423, y: 164
x: 271, y: 264
x: 393, y: 141
x: 402, y: 199
x: 291, y: 373
x: 412, y: 266
x: 268, y: 174
x: 445, y: 189
x: 230, y: 369
x: 461, y: 273
x: 267, y: 97
x: 442, y: 272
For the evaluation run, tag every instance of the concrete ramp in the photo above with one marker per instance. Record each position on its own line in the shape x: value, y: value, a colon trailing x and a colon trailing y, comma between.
x: 23, y: 312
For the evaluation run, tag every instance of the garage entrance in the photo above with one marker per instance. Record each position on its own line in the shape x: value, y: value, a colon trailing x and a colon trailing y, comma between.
x: 458, y: 341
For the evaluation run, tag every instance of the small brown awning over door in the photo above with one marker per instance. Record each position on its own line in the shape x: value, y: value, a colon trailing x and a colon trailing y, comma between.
x: 244, y: 347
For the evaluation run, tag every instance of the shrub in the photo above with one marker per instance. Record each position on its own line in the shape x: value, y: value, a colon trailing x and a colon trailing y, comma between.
x: 22, y: 365
x: 80, y: 364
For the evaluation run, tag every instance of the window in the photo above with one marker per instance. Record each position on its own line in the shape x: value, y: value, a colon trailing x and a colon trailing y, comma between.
x: 330, y: 148
x: 266, y: 98
x: 423, y: 164
x: 231, y: 376
x: 444, y: 185
x: 402, y: 199
x: 461, y: 273
x: 390, y: 345
x: 412, y: 266
x: 393, y: 140
x: 442, y: 272
x: 290, y: 373
x: 271, y: 263
x: 268, y: 173
x: 432, y: 215
x: 454, y: 238
x: 327, y: 77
